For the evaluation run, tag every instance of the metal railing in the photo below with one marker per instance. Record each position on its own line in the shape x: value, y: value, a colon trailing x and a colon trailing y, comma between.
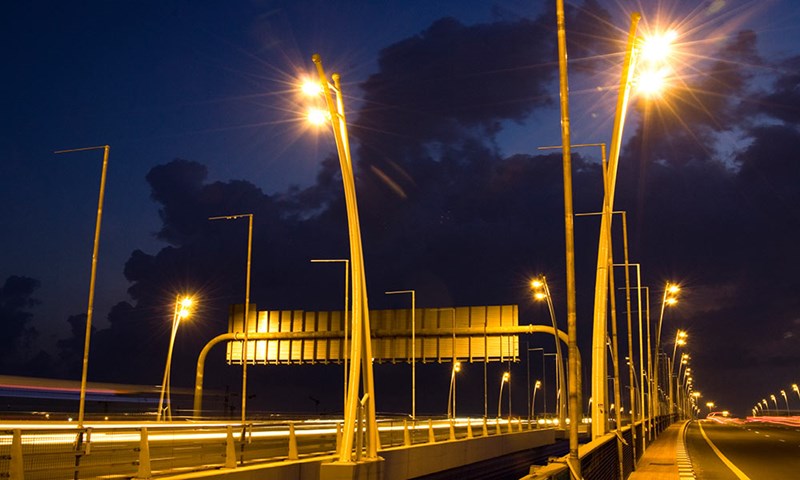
x: 154, y: 449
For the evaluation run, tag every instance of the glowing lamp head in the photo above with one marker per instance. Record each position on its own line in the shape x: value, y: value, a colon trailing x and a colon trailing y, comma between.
x: 457, y: 367
x: 311, y: 88
x: 506, y: 377
x: 184, y: 307
x: 538, y: 384
x: 536, y: 283
x: 317, y: 116
x: 539, y: 296
x: 657, y: 48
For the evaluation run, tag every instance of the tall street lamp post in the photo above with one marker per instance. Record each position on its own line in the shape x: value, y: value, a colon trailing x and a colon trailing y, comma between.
x: 345, y: 320
x: 786, y: 399
x: 245, y: 322
x: 600, y: 320
x: 361, y: 343
x: 542, y: 293
x: 533, y: 401
x: 92, y: 275
x: 796, y: 389
x: 451, y: 396
x: 506, y: 378
x: 680, y: 340
x: 569, y: 243
x: 668, y: 298
x: 182, y: 310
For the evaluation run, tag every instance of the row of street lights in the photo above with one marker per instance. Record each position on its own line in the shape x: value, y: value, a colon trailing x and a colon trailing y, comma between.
x: 762, y: 407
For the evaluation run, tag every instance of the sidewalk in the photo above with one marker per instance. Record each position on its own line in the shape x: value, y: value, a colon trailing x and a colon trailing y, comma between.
x: 663, y: 457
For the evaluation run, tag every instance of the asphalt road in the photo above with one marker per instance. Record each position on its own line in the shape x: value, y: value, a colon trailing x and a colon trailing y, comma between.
x: 739, y: 450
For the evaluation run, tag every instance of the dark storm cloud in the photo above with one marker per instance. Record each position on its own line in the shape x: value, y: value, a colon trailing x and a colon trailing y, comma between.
x: 782, y: 101
x: 16, y: 302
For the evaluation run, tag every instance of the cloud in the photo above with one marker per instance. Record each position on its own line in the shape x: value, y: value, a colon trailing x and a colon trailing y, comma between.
x: 16, y: 301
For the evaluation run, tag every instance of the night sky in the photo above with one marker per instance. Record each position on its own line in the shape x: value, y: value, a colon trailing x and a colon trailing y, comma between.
x: 447, y: 103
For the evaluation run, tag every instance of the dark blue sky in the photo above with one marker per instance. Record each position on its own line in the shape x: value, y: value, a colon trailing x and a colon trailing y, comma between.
x: 212, y: 83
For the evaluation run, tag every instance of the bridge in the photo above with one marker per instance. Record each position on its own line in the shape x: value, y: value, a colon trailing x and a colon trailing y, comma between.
x: 718, y: 447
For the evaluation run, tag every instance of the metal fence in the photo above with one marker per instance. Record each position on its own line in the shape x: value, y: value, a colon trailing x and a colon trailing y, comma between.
x: 158, y: 448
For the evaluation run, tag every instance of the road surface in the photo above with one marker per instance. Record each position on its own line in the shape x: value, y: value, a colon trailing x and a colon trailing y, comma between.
x: 734, y: 449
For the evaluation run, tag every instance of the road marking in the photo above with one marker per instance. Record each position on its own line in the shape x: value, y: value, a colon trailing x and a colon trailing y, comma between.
x: 722, y: 457
x: 685, y: 469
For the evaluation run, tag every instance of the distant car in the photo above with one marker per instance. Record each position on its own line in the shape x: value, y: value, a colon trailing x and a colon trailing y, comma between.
x: 724, y: 413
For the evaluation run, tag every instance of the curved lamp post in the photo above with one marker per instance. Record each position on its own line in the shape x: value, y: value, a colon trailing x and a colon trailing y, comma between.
x: 783, y: 392
x: 451, y: 396
x: 361, y: 344
x: 680, y: 341
x: 533, y: 398
x: 506, y: 378
x: 541, y: 292
x: 182, y: 310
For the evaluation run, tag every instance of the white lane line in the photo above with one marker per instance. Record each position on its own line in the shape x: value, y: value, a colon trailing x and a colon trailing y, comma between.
x: 722, y: 457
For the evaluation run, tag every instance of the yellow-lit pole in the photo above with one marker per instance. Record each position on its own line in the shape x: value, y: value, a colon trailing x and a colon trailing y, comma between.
x: 542, y: 292
x: 92, y: 276
x: 245, y: 323
x: 506, y: 378
x: 599, y: 413
x: 451, y: 397
x: 680, y: 340
x: 181, y: 311
x: 533, y: 400
x: 665, y: 300
x: 569, y: 236
x: 361, y: 344
x: 345, y: 319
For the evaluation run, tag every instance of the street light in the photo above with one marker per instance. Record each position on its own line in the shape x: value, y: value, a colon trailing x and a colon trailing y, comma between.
x: 245, y: 326
x: 413, y: 347
x: 680, y: 340
x: 183, y: 308
x: 451, y: 396
x: 92, y: 275
x: 541, y: 292
x: 670, y: 291
x: 772, y: 397
x: 600, y: 320
x: 796, y: 389
x: 533, y: 399
x: 506, y: 378
x: 361, y: 347
x: 710, y: 405
x: 345, y: 319
x: 783, y: 392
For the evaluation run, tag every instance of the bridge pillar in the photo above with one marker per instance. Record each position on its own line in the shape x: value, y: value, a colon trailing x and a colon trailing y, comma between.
x: 230, y: 449
x: 15, y: 466
x: 144, y: 456
x: 292, y: 443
